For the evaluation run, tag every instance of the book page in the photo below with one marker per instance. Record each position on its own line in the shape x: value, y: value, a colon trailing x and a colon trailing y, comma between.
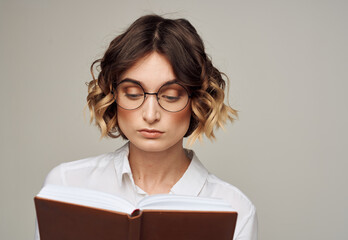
x: 86, y: 197
x: 179, y: 202
x: 97, y: 199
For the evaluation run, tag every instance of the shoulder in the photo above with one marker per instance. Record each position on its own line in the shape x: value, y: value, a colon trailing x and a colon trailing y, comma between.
x: 87, y: 171
x: 214, y: 187
x: 247, y: 218
x: 221, y: 189
x: 77, y: 168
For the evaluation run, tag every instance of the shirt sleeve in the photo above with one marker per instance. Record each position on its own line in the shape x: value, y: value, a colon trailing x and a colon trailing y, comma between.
x: 55, y: 176
x: 249, y: 230
x: 37, y: 235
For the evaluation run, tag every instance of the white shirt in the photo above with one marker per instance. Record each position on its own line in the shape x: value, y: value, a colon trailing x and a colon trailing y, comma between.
x: 112, y: 174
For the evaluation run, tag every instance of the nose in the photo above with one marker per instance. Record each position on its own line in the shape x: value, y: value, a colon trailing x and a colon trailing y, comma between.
x: 151, y: 109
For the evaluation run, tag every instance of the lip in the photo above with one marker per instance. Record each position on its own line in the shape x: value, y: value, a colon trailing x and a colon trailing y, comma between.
x: 150, y: 133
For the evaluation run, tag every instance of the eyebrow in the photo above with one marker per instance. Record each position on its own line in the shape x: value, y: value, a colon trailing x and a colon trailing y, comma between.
x: 138, y: 82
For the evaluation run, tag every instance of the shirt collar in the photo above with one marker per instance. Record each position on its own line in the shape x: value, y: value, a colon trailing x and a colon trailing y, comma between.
x: 193, y: 180
x: 191, y: 183
x: 121, y: 163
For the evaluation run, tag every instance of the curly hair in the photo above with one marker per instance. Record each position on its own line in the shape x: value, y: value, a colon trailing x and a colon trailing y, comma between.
x: 179, y: 42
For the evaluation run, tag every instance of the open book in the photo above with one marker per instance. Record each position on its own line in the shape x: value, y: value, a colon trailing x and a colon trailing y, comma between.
x: 75, y: 213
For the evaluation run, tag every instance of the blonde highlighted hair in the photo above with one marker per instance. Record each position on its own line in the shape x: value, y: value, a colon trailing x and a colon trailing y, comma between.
x: 179, y: 42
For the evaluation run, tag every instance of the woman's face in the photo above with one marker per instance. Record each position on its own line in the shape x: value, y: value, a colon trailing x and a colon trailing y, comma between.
x: 150, y: 128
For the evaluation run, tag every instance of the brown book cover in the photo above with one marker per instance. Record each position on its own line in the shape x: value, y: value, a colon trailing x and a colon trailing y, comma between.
x: 58, y: 220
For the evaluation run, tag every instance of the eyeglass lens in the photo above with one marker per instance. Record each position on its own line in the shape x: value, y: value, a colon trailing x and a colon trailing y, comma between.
x: 172, y: 97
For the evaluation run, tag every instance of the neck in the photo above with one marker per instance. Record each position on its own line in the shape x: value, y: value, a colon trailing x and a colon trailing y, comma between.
x: 157, y: 172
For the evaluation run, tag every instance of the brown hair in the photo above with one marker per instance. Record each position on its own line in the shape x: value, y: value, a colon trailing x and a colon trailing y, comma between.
x: 179, y: 42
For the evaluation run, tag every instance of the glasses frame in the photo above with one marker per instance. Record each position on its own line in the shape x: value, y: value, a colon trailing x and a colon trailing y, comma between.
x: 154, y: 93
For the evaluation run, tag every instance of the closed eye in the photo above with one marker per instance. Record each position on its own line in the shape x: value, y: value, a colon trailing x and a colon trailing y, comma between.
x: 170, y: 98
x: 134, y: 96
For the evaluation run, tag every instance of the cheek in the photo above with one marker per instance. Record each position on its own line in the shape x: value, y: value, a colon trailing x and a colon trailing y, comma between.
x: 123, y: 114
x: 124, y: 119
x: 181, y: 120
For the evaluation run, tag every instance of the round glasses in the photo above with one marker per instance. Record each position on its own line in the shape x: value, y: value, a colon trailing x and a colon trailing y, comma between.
x: 172, y: 96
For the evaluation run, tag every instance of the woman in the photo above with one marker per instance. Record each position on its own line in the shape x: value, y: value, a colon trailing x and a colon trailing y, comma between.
x: 156, y: 86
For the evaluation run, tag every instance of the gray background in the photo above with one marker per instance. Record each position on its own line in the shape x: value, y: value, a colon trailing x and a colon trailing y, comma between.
x: 287, y: 62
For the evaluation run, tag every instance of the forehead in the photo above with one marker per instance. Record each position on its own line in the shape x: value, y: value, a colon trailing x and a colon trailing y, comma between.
x: 152, y: 71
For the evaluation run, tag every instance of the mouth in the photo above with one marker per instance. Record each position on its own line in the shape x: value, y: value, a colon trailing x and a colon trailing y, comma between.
x: 150, y: 133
